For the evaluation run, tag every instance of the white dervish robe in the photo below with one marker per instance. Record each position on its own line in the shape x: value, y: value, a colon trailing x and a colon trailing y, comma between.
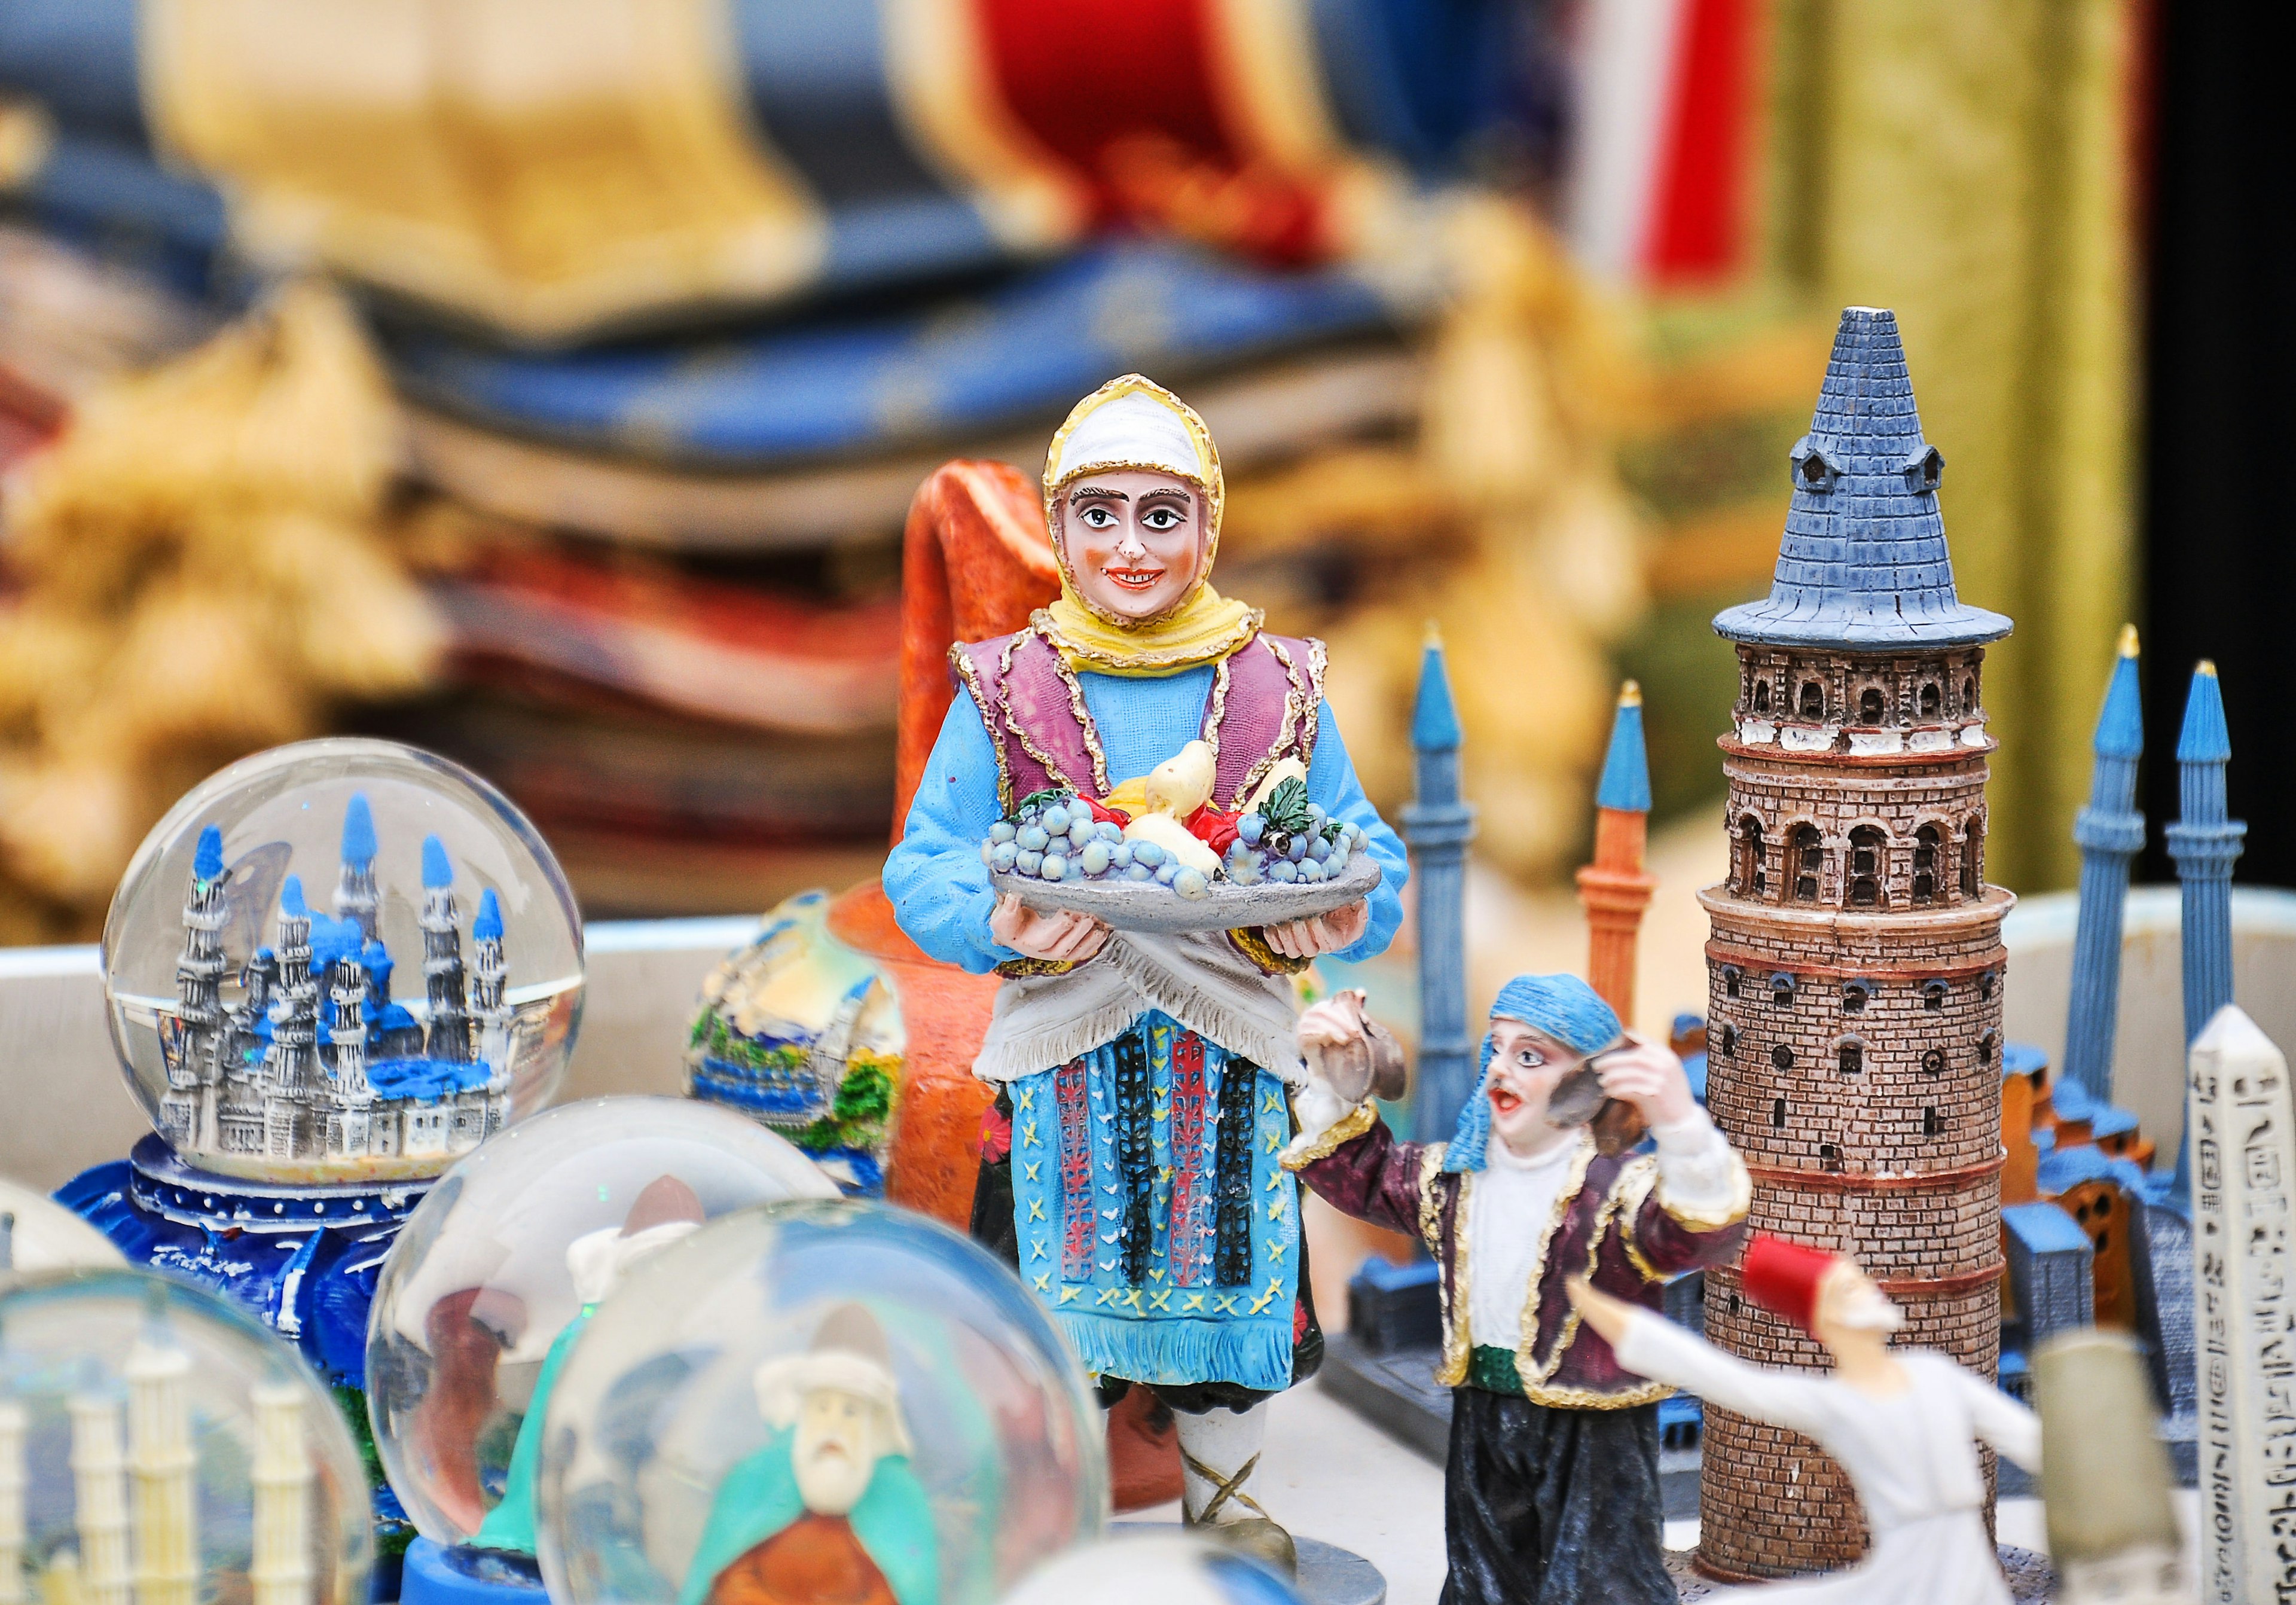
x: 1911, y: 1456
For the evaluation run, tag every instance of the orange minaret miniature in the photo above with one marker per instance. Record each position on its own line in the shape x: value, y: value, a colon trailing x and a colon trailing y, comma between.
x: 1615, y: 889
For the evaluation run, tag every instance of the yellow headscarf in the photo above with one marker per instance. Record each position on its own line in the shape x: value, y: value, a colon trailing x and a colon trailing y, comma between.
x: 1132, y: 423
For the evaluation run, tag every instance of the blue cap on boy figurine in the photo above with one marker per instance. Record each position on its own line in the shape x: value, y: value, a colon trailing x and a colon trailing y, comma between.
x: 1564, y: 1007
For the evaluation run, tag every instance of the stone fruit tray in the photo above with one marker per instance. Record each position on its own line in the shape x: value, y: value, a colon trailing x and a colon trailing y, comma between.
x: 1146, y: 907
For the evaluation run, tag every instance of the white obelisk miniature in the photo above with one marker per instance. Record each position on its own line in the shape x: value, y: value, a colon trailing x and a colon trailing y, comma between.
x: 281, y: 1571
x: 11, y: 1503
x: 100, y: 1494
x: 160, y: 1459
x: 2244, y: 1131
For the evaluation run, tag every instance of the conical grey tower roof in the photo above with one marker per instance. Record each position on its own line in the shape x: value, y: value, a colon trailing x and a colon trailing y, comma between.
x: 1864, y: 561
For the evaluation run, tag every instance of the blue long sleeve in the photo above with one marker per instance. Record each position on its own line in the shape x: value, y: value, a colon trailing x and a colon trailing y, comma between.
x: 1331, y: 781
x: 939, y: 887
x: 935, y: 880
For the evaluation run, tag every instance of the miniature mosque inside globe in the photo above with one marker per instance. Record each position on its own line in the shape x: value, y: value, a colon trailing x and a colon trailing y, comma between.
x: 157, y: 1445
x: 821, y: 1390
x: 342, y: 960
x: 495, y: 1274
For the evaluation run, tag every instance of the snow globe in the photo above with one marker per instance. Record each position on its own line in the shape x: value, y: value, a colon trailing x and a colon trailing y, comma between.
x: 802, y: 1034
x: 156, y: 1441
x: 495, y: 1276
x: 835, y: 1400
x: 331, y: 969
x: 1158, y: 1569
x: 39, y: 1234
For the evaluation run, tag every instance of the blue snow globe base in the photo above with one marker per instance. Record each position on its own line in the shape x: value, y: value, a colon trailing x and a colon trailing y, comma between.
x: 302, y: 1259
x: 438, y: 1574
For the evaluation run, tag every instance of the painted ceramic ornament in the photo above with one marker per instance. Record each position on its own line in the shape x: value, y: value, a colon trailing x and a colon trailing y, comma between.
x: 1544, y: 1415
x: 498, y: 1274
x: 804, y: 1035
x: 157, y: 1445
x: 1136, y: 737
x: 332, y: 969
x: 1904, y: 1422
x: 816, y: 1401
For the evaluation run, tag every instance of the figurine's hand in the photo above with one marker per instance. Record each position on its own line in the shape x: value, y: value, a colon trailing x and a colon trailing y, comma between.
x: 1650, y: 1077
x: 1334, y: 1023
x: 1066, y: 935
x: 1606, y: 1315
x: 1325, y: 933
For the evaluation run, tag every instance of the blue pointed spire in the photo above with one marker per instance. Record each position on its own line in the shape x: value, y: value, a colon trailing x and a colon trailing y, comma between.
x: 207, y: 863
x: 2204, y: 738
x: 1625, y: 768
x: 1434, y: 717
x: 291, y: 898
x: 438, y: 869
x: 2110, y: 832
x: 2204, y: 843
x: 1863, y: 561
x: 358, y: 830
x: 2120, y: 726
x: 1438, y: 825
x: 488, y: 927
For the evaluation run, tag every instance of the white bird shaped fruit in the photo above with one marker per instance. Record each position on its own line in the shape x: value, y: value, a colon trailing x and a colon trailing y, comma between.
x: 1174, y: 790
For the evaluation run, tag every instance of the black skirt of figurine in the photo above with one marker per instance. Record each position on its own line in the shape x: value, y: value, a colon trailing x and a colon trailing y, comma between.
x: 994, y: 1229
x: 1544, y: 1506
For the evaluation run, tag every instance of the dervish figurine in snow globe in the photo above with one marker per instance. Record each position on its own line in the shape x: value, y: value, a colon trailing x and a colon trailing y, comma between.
x: 1141, y: 813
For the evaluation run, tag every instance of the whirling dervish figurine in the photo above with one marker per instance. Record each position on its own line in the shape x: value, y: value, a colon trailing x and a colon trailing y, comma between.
x: 1905, y: 1424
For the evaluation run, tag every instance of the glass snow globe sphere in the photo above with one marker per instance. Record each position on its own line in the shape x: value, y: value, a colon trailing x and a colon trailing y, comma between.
x: 36, y: 1234
x: 343, y: 961
x: 837, y: 1400
x: 155, y: 1440
x: 496, y: 1273
x: 1152, y: 1569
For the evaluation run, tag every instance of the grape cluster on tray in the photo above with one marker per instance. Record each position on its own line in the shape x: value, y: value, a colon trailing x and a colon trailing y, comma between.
x: 1055, y: 836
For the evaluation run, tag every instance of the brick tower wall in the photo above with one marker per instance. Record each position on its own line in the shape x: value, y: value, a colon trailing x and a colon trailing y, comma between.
x: 1891, y: 1154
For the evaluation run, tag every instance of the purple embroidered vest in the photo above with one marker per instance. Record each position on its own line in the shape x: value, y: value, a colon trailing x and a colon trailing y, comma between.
x: 1261, y: 709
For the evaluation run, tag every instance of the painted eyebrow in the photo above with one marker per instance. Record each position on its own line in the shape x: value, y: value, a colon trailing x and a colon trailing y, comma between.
x: 1169, y: 492
x: 1092, y: 492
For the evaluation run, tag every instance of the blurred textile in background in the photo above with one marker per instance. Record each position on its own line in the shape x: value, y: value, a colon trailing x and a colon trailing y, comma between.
x: 1505, y: 312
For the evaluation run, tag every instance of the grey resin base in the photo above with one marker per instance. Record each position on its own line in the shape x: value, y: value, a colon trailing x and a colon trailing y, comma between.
x: 2030, y: 1579
x: 1328, y: 1574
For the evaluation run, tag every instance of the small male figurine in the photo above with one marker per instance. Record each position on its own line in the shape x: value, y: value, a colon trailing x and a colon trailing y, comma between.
x: 828, y: 1513
x: 666, y: 1210
x: 1551, y: 1495
x: 1902, y: 1424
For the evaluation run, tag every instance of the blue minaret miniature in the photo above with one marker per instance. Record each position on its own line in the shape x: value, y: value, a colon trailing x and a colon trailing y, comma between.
x: 1438, y: 825
x: 356, y: 896
x: 2109, y: 831
x: 2204, y: 843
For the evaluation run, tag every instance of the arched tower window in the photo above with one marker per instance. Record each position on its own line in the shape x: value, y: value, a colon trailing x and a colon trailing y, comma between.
x: 1731, y: 975
x: 1933, y: 996
x: 1870, y: 706
x: 1866, y: 867
x: 1808, y: 857
x: 1972, y: 860
x: 1968, y: 694
x: 1989, y: 1049
x: 1729, y: 1042
x: 1753, y: 881
x: 1813, y: 700
x: 1925, y: 856
x: 1933, y: 700
x: 1854, y: 995
x: 1761, y: 696
x: 1781, y: 990
x: 1850, y: 1054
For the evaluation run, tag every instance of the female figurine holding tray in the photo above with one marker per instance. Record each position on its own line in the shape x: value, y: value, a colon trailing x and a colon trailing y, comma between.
x: 1143, y: 1077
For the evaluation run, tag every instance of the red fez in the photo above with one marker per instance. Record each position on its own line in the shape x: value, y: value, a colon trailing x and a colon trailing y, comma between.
x: 1782, y: 1277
